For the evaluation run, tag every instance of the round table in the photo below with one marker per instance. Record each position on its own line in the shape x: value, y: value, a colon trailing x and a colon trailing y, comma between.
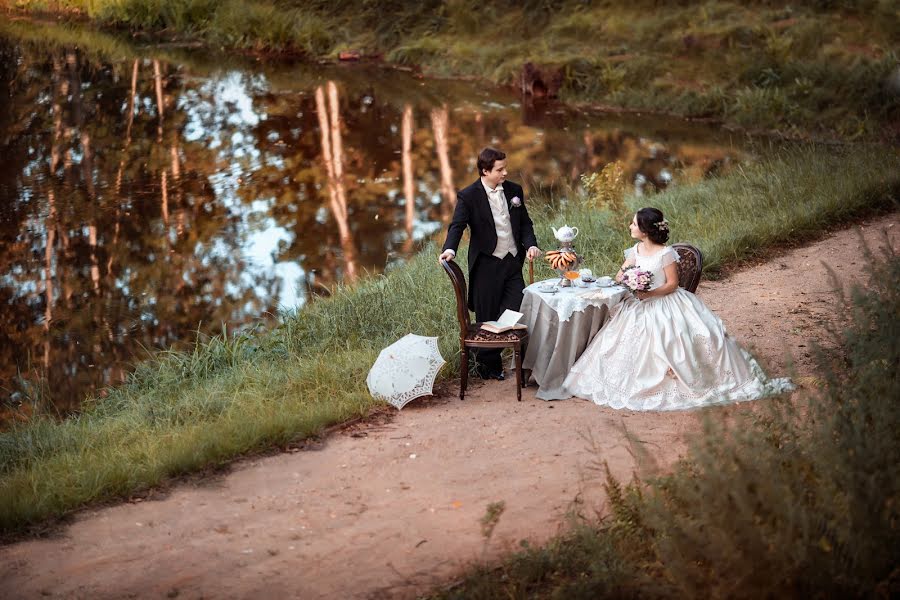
x: 560, y: 326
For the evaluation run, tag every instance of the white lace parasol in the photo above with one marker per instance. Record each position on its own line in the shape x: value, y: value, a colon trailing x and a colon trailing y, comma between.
x: 405, y: 370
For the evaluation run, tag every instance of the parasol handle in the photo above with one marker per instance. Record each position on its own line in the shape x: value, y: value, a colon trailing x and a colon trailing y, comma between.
x: 530, y: 271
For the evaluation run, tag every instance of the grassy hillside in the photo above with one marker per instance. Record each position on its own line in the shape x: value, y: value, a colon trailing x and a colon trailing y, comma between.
x: 825, y: 66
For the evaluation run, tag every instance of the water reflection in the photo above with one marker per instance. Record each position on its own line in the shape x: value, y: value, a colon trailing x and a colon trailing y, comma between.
x: 142, y: 201
x: 333, y: 158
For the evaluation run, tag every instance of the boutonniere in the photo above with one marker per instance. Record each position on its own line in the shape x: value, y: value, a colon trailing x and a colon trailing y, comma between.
x: 516, y: 202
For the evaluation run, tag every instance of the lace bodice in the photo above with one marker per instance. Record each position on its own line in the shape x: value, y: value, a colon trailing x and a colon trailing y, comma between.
x: 655, y: 263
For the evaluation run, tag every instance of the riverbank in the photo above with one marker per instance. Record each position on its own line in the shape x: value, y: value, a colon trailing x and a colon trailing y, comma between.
x: 183, y: 412
x: 794, y: 68
x: 402, y: 498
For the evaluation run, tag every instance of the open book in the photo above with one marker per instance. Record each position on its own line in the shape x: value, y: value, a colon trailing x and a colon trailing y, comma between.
x: 508, y: 320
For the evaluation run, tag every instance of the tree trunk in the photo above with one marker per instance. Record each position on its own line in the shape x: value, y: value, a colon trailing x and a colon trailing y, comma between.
x: 127, y: 143
x: 332, y: 152
x: 440, y: 121
x: 157, y: 80
x: 125, y: 146
x: 164, y: 181
x: 87, y: 164
x: 408, y: 184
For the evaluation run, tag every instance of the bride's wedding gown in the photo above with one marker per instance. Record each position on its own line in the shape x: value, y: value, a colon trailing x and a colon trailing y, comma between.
x: 666, y: 353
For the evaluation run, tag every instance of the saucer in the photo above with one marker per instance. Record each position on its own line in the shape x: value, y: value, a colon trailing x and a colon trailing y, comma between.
x: 548, y: 289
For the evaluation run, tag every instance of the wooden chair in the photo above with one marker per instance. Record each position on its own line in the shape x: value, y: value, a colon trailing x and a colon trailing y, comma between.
x: 690, y: 267
x: 471, y: 335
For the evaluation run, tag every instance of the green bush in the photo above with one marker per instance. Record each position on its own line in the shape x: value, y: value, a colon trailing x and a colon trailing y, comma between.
x: 762, y: 106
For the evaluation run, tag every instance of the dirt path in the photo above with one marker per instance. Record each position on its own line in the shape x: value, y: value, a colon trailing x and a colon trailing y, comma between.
x: 387, y: 510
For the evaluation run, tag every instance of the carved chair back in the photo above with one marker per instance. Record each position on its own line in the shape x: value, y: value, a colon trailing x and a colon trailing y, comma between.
x: 690, y: 267
x: 459, y: 287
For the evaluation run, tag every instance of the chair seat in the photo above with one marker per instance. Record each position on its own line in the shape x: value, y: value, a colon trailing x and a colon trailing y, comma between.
x: 477, y: 334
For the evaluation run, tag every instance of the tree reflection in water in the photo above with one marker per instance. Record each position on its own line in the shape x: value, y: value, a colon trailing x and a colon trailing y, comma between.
x: 440, y: 120
x: 333, y: 158
x: 142, y: 201
x: 409, y: 194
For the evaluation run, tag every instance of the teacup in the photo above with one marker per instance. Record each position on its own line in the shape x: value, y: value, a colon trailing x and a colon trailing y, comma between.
x: 547, y: 287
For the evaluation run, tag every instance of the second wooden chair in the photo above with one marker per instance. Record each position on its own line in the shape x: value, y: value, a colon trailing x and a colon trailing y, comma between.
x: 471, y: 336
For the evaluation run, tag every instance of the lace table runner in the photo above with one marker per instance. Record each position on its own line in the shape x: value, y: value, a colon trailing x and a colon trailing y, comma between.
x: 569, y: 300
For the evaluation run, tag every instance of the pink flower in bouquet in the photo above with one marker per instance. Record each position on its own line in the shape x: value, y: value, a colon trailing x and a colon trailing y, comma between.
x: 637, y: 280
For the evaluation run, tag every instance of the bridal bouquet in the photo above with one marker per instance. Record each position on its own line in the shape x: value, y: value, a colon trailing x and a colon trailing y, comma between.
x: 637, y: 280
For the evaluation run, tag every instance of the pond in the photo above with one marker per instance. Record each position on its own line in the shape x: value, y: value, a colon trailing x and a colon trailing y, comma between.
x: 153, y: 198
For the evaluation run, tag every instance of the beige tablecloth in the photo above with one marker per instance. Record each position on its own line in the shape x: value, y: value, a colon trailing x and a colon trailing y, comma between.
x: 560, y: 326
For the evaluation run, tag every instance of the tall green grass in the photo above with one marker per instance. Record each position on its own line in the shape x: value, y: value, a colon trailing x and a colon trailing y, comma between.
x: 186, y: 411
x: 796, y: 501
x: 790, y: 196
x: 796, y: 67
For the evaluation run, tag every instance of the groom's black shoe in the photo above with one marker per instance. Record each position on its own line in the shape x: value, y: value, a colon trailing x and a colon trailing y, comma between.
x: 484, y: 373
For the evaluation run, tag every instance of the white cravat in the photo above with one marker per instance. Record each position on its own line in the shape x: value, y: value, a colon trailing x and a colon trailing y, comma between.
x: 506, y: 244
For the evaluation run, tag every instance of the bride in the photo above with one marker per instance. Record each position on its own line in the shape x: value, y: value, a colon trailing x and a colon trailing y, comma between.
x: 664, y: 349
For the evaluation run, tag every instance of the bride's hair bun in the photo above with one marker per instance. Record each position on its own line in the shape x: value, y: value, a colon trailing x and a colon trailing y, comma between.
x: 652, y: 222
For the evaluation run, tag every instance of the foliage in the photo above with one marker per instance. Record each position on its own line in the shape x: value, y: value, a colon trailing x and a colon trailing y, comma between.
x: 607, y: 188
x: 801, y: 499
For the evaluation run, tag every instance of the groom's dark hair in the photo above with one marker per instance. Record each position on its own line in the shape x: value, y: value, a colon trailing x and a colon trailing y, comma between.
x: 487, y: 158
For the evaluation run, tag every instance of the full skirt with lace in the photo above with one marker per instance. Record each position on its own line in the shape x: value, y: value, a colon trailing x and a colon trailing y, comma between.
x: 667, y: 353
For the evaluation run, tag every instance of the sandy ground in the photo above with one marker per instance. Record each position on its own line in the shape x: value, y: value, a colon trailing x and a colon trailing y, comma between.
x: 391, y: 507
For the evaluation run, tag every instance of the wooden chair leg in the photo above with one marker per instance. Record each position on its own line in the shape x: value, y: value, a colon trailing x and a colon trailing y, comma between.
x: 526, y: 373
x: 463, y: 373
x: 517, y: 350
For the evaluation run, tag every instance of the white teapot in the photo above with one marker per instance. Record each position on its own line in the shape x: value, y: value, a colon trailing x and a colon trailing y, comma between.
x: 565, y: 234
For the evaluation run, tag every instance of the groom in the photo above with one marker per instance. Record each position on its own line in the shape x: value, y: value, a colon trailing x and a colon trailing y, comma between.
x: 502, y: 236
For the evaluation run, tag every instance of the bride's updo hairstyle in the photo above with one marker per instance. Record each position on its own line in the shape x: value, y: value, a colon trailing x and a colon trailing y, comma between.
x: 652, y: 222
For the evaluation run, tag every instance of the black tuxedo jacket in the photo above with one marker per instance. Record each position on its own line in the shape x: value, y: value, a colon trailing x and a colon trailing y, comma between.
x: 473, y: 210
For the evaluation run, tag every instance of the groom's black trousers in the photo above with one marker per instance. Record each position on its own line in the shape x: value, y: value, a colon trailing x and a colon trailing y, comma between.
x: 497, y: 285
